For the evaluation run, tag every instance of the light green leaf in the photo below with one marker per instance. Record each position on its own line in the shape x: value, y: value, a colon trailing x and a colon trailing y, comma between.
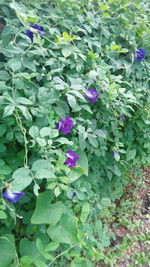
x: 87, y: 108
x: 116, y: 170
x: 46, y: 212
x: 2, y: 129
x: 100, y: 133
x: 14, y: 64
x: 8, y: 111
x: 130, y: 154
x: 2, y: 215
x: 43, y: 169
x: 21, y: 178
x: 45, y: 131
x: 34, y: 131
x: 66, y: 231
x: 57, y: 191
x: 52, y: 246
x: 67, y: 50
x: 4, y: 75
x: 41, y: 142
x: 23, y: 100
x: 71, y: 100
x: 93, y: 140
x: 85, y: 212
x: 64, y: 140
x: 28, y: 64
x: 7, y: 243
x: 83, y: 161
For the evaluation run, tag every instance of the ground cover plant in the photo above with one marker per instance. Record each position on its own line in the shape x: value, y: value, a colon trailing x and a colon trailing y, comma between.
x: 74, y: 125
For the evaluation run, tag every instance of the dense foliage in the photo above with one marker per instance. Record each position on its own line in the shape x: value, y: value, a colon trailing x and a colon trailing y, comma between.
x: 68, y: 148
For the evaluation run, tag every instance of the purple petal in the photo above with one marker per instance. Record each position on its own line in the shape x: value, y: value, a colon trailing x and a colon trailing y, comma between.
x: 72, y: 155
x: 29, y: 34
x: 69, y: 122
x: 115, y: 153
x: 37, y: 27
x: 140, y: 54
x: 70, y: 162
x: 13, y: 196
x: 65, y: 125
x: 92, y: 95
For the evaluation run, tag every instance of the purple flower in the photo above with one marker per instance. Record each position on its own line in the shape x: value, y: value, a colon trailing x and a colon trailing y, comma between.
x: 13, y: 196
x: 73, y: 195
x: 115, y: 153
x: 72, y: 157
x: 65, y: 125
x: 140, y: 54
x: 35, y: 28
x: 121, y: 118
x: 92, y: 95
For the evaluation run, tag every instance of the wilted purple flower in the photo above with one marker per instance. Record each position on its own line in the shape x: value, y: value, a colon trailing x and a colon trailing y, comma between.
x: 35, y: 28
x: 73, y: 195
x: 140, y: 54
x: 115, y: 153
x: 13, y: 196
x: 72, y: 157
x: 121, y: 118
x: 92, y: 95
x: 65, y: 125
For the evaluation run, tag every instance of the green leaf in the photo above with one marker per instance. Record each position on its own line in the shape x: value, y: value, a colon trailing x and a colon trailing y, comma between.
x: 45, y: 131
x: 57, y: 191
x: 93, y: 140
x: 8, y: 111
x: 64, y: 140
x: 83, y: 161
x: 2, y: 148
x: 52, y: 246
x: 4, y: 169
x: 75, y: 173
x: 23, y: 100
x: 41, y: 142
x: 2, y: 129
x: 66, y: 231
x: 46, y: 212
x: 100, y: 133
x: 67, y: 50
x: 106, y: 202
x: 86, y: 209
x: 28, y: 64
x: 2, y: 215
x: 116, y: 170
x: 14, y: 64
x: 62, y: 109
x: 71, y: 100
x: 4, y: 75
x: 34, y: 131
x: 7, y: 243
x: 130, y: 154
x: 87, y: 108
x: 43, y: 169
x: 21, y: 178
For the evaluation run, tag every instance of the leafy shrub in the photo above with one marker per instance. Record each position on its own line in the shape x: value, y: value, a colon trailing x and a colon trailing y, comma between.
x: 51, y: 54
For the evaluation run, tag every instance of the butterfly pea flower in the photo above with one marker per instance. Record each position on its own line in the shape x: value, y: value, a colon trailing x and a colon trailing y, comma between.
x: 140, y: 54
x: 34, y: 28
x: 12, y: 196
x: 73, y: 195
x: 115, y: 153
x: 65, y: 125
x: 92, y: 95
x: 121, y: 118
x: 72, y: 158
